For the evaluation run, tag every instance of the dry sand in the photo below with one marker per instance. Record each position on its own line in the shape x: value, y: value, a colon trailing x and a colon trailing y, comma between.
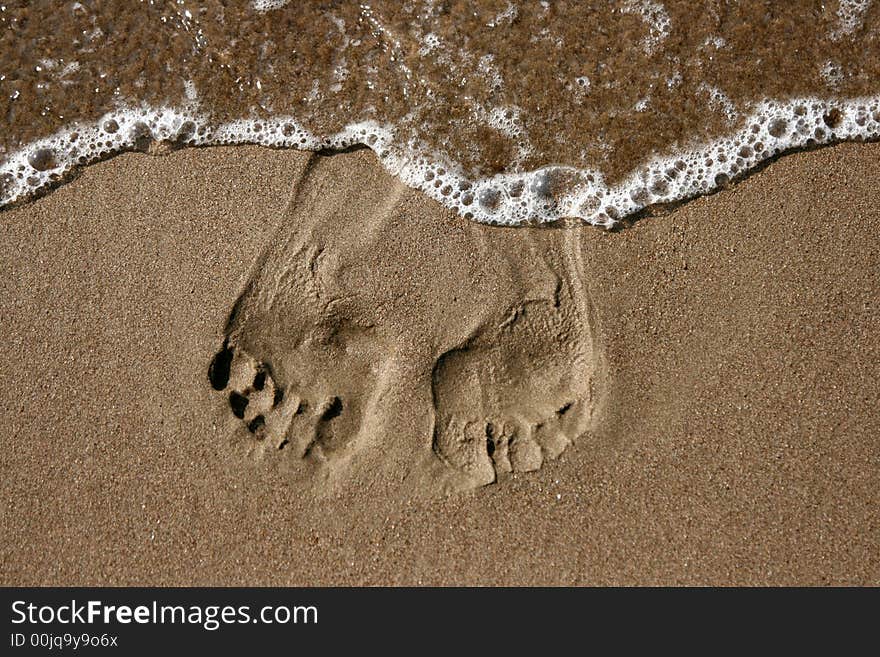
x: 699, y: 391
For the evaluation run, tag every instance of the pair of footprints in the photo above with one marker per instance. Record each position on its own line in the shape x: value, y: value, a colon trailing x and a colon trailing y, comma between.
x: 480, y: 450
x: 258, y: 402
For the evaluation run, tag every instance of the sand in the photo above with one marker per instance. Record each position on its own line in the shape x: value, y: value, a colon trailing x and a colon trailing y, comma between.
x: 431, y: 401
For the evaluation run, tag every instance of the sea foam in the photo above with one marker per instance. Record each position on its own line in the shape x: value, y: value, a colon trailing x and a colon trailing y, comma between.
x: 543, y: 195
x: 507, y: 114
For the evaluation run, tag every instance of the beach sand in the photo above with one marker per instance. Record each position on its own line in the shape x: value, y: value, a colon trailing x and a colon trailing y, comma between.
x: 691, y: 400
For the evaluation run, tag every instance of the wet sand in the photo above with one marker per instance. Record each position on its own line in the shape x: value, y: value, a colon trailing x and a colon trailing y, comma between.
x: 732, y: 431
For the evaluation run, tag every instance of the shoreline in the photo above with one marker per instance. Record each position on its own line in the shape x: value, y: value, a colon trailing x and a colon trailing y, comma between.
x: 579, y: 194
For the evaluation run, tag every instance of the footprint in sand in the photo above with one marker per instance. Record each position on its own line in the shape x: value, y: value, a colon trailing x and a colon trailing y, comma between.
x: 355, y: 348
x: 514, y: 394
x: 259, y: 402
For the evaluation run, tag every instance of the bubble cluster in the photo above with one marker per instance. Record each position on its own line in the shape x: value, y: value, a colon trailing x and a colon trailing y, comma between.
x: 655, y: 16
x: 850, y: 16
x: 558, y: 192
x: 46, y: 161
x: 543, y: 195
x: 268, y: 5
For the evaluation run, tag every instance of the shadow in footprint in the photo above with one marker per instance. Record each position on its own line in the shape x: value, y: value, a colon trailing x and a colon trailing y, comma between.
x: 218, y: 372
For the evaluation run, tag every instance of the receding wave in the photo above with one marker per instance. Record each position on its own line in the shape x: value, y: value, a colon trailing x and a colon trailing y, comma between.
x: 506, y: 112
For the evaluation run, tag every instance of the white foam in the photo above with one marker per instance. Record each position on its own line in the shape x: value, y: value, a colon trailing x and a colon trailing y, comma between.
x: 719, y: 100
x: 656, y: 17
x: 268, y: 5
x: 831, y: 74
x: 850, y: 17
x: 542, y: 195
x: 506, y: 17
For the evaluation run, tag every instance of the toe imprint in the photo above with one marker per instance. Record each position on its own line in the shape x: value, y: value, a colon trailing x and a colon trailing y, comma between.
x: 218, y: 372
x: 254, y: 397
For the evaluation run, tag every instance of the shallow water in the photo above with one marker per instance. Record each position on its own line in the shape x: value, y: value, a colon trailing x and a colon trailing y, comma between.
x: 508, y: 112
